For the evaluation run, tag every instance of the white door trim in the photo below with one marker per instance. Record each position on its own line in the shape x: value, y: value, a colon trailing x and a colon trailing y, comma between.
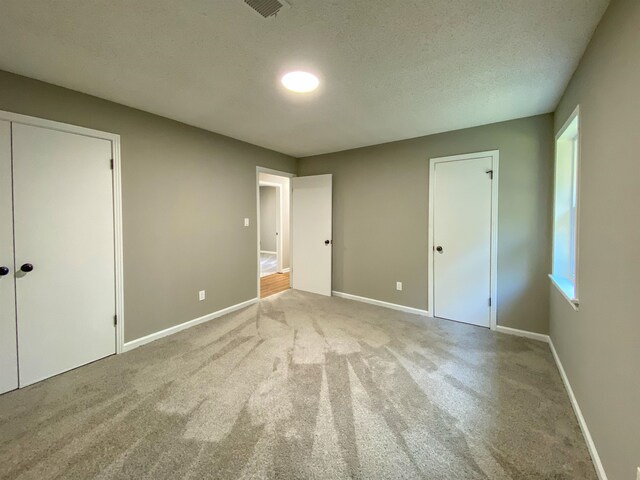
x: 495, y: 156
x: 279, y: 173
x: 117, y: 200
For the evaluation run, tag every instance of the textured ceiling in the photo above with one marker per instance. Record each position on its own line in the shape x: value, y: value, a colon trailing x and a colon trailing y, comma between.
x: 390, y: 69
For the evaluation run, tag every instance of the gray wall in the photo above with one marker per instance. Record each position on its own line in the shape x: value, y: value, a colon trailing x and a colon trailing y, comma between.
x: 268, y: 218
x: 381, y: 208
x: 599, y: 345
x: 185, y: 193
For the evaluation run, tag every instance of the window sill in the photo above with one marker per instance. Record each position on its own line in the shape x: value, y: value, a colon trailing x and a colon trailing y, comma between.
x: 566, y: 289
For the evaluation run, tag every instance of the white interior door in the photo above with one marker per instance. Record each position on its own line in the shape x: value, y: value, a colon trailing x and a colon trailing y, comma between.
x: 8, y: 347
x: 64, y: 229
x: 311, y: 230
x: 462, y: 240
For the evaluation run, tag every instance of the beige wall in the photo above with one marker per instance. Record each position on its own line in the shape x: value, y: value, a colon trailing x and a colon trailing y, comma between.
x: 268, y: 218
x: 599, y: 345
x: 285, y: 183
x: 381, y: 208
x: 185, y: 194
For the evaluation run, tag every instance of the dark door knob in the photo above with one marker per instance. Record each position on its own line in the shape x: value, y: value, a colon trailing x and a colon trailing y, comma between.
x: 327, y: 242
x: 439, y: 249
x: 27, y: 267
x: 3, y: 271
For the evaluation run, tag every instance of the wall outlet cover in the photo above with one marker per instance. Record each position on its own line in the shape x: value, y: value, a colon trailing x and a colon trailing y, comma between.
x: 201, y: 295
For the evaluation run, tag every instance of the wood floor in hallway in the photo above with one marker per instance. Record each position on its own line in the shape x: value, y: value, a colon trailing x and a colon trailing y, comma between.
x: 276, y: 283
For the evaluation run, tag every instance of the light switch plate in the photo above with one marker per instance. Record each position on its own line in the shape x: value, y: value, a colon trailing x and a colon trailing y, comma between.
x: 398, y: 285
x: 246, y: 222
x: 201, y: 295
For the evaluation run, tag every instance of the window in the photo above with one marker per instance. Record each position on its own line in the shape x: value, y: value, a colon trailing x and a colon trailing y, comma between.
x: 565, y: 209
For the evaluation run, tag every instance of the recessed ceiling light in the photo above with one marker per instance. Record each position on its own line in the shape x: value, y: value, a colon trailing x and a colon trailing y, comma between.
x: 300, y: 82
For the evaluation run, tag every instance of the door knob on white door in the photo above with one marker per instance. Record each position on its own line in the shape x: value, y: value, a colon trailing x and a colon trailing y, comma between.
x: 327, y: 242
x: 439, y: 249
x: 3, y: 271
x: 27, y: 267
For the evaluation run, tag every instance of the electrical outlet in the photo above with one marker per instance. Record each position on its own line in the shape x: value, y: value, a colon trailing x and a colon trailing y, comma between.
x: 201, y: 295
x: 246, y: 222
x: 398, y: 285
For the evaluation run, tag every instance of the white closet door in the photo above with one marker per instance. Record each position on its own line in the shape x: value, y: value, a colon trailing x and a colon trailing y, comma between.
x: 462, y: 241
x: 311, y: 233
x: 8, y: 350
x: 64, y: 229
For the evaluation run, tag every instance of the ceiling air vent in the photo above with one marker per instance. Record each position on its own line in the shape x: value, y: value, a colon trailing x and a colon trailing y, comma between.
x: 267, y: 8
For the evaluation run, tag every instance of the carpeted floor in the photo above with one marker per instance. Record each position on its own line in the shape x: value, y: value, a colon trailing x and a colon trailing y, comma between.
x: 303, y: 386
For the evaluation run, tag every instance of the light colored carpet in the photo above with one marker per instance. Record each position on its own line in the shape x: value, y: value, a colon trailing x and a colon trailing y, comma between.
x: 303, y: 386
x: 268, y: 264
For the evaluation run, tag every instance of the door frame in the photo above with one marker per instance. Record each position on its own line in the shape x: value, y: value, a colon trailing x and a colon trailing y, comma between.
x: 279, y: 240
x: 279, y: 173
x: 117, y: 201
x: 495, y: 160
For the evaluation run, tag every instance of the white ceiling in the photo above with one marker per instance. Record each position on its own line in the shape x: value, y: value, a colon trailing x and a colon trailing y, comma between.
x: 390, y: 69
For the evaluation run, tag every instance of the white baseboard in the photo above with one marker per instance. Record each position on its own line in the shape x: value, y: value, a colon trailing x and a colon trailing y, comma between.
x: 523, y: 333
x: 286, y: 270
x: 191, y: 323
x: 380, y: 303
x: 581, y: 421
x: 597, y: 463
x: 268, y: 252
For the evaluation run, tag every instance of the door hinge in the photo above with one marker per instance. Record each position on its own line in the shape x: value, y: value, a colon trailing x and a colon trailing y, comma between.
x: 115, y: 319
x: 489, y: 301
x: 111, y: 163
x: 490, y: 172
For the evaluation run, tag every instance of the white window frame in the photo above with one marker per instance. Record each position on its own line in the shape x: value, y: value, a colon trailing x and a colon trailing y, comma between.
x: 564, y: 287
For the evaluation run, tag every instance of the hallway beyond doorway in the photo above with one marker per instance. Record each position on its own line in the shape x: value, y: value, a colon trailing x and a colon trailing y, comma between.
x: 275, y: 283
x: 268, y: 264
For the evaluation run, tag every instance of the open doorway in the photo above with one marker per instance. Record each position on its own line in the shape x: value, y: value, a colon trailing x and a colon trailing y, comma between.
x: 270, y: 213
x: 274, y: 207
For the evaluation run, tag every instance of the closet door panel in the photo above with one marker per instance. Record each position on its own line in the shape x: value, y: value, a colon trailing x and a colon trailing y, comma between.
x: 64, y: 238
x: 8, y: 348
